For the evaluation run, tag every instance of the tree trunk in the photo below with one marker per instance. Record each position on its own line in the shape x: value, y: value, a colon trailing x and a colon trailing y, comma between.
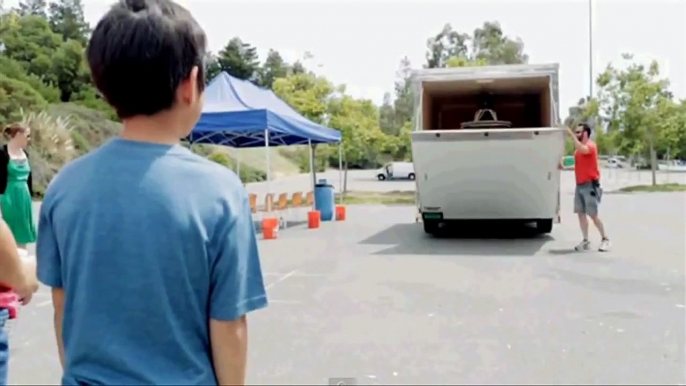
x: 653, y: 163
x: 345, y: 177
x: 314, y: 165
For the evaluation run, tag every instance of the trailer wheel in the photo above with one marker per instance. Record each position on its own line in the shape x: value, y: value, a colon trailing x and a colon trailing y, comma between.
x: 411, y: 176
x: 544, y: 226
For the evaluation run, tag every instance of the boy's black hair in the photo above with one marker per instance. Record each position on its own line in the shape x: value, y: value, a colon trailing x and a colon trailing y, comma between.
x: 586, y: 128
x: 141, y: 51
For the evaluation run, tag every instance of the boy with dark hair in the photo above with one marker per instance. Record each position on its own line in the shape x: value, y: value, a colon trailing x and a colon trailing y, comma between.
x: 149, y: 249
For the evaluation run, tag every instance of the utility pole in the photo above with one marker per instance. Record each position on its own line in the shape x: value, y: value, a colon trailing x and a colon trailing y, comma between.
x: 590, y: 48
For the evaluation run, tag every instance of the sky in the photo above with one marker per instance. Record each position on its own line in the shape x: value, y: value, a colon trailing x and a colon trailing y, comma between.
x: 360, y: 43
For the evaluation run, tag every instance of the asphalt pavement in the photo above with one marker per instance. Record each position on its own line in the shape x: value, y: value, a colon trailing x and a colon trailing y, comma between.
x: 375, y: 299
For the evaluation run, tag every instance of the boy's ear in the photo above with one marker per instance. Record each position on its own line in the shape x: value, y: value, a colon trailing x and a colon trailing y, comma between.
x: 189, y: 87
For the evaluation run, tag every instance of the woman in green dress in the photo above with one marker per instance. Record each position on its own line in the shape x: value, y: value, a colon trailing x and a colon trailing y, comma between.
x: 16, y: 186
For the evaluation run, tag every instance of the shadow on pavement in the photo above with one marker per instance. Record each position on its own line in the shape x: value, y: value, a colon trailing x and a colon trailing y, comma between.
x: 471, y: 239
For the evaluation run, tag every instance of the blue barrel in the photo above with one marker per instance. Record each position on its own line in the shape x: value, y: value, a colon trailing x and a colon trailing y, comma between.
x: 324, y: 200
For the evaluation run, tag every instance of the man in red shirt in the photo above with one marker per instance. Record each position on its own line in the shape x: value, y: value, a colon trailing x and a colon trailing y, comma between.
x: 588, y: 192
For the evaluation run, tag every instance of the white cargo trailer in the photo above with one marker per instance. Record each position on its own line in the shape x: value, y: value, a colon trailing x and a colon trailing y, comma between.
x: 487, y: 144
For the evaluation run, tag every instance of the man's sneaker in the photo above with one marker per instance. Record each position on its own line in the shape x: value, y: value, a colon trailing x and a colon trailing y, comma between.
x: 583, y: 246
x: 604, y: 245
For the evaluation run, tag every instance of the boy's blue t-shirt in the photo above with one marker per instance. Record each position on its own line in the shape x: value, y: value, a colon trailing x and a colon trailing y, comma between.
x: 149, y: 242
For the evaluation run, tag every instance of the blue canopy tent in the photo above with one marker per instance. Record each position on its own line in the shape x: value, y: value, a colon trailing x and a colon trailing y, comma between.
x: 239, y: 114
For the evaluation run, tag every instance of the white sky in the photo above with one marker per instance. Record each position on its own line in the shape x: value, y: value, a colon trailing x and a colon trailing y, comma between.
x: 360, y: 43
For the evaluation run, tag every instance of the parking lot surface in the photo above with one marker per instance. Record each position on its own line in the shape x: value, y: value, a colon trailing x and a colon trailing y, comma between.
x: 375, y: 299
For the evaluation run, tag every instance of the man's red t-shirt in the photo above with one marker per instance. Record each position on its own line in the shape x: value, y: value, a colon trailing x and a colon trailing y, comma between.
x: 586, y: 165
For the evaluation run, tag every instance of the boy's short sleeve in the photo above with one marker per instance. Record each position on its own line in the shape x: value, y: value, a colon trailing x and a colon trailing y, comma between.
x: 48, y: 260
x: 236, y: 282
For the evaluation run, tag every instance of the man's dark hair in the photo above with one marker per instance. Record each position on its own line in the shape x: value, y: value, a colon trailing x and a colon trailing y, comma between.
x: 141, y: 51
x: 586, y: 128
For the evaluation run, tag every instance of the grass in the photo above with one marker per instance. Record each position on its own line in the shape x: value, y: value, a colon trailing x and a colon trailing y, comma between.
x: 378, y: 198
x: 654, y: 188
x: 257, y: 159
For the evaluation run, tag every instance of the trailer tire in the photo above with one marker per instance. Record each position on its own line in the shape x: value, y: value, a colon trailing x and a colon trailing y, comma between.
x: 411, y: 176
x: 544, y: 226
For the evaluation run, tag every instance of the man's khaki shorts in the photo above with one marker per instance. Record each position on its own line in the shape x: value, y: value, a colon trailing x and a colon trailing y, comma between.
x: 587, y: 198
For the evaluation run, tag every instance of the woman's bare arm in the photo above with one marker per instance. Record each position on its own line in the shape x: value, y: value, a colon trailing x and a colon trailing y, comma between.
x: 15, y: 274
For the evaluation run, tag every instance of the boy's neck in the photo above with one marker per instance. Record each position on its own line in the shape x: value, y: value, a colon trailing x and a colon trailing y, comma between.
x: 154, y: 129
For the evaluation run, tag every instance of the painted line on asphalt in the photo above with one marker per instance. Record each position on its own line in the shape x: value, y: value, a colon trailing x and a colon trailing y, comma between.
x: 282, y: 278
x: 278, y: 301
x: 299, y: 273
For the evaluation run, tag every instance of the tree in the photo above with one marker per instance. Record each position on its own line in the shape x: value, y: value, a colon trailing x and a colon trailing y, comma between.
x: 393, y: 114
x: 387, y: 115
x: 15, y: 97
x: 33, y: 7
x: 212, y: 67
x: 445, y: 45
x: 239, y: 60
x: 309, y: 95
x: 306, y: 93
x: 14, y: 70
x: 634, y: 99
x: 69, y: 69
x: 274, y: 67
x: 404, y: 97
x: 358, y: 122
x: 489, y: 45
x: 460, y: 61
x: 67, y: 20
x: 30, y: 41
x: 298, y: 68
x: 493, y: 47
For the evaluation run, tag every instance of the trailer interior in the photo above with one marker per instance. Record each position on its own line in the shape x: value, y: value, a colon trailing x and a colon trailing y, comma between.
x: 519, y: 102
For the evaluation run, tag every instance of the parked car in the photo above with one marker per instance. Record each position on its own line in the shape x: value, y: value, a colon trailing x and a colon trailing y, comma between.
x: 396, y: 170
x: 614, y: 163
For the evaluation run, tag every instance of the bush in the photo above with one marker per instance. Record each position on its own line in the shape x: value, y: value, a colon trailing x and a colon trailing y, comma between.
x: 80, y: 143
x: 91, y: 127
x: 220, y: 158
x: 300, y: 156
x: 51, y: 147
x: 15, y: 97
x: 90, y: 98
x: 248, y: 174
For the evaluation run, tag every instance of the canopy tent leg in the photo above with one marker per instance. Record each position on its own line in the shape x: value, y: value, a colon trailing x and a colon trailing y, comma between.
x: 309, y: 151
x: 340, y: 173
x: 269, y: 173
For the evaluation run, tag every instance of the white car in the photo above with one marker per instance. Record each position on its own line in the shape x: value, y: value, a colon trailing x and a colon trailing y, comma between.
x: 396, y: 170
x: 614, y: 163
